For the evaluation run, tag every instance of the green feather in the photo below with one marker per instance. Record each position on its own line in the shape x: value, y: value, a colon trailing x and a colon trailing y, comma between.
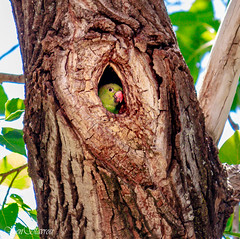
x: 106, y: 94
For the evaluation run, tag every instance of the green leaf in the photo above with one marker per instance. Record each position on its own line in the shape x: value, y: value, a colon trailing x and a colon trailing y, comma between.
x: 33, y: 214
x: 22, y: 181
x: 8, y: 216
x: 15, y: 115
x: 232, y: 233
x: 229, y: 223
x: 25, y: 233
x: 3, y: 100
x: 14, y: 109
x: 25, y: 207
x: 230, y: 151
x: 19, y: 201
x: 236, y: 100
x: 17, y: 198
x: 13, y: 140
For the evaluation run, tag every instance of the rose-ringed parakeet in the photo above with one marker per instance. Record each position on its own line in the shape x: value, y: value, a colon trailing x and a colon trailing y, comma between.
x: 111, y: 96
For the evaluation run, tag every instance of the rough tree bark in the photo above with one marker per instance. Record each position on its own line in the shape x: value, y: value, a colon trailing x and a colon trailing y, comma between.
x: 151, y: 171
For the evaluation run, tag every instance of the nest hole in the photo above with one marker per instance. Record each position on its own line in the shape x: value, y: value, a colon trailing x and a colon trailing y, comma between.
x: 110, y: 76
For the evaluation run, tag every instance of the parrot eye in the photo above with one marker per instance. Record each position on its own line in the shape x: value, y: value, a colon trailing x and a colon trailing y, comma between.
x: 110, y: 89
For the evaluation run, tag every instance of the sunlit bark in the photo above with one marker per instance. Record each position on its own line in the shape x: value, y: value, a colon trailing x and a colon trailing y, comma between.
x: 222, y: 74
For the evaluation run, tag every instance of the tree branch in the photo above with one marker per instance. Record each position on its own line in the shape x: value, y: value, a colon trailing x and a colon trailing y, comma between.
x: 18, y: 170
x: 222, y: 74
x: 235, y: 225
x: 233, y: 172
x: 232, y: 123
x: 10, y: 186
x: 12, y: 78
x: 4, y: 175
x: 8, y: 52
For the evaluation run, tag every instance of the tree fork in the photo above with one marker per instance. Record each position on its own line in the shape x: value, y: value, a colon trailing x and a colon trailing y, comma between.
x: 149, y: 172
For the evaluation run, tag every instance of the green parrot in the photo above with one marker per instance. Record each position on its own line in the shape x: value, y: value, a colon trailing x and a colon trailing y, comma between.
x: 111, y: 96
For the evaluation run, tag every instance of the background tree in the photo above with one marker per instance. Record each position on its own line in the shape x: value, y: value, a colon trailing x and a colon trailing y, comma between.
x: 141, y: 45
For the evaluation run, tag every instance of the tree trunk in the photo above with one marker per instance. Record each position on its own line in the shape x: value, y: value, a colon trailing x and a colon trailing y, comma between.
x: 150, y: 171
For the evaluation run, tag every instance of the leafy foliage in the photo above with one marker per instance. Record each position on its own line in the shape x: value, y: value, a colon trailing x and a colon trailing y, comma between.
x: 24, y: 232
x: 24, y: 206
x: 11, y: 162
x: 13, y: 171
x: 8, y: 216
x: 3, y: 100
x: 230, y: 151
x: 14, y: 108
x: 12, y: 139
x: 195, y: 31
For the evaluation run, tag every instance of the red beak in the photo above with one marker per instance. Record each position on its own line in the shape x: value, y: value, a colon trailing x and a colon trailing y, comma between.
x: 118, y: 97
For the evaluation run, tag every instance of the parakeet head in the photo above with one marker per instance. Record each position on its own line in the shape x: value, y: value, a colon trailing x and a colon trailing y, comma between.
x: 111, y: 96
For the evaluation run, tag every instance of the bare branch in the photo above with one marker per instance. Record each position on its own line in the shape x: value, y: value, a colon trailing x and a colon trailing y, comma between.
x: 9, y: 51
x: 12, y: 78
x: 232, y: 123
x: 18, y: 170
x: 4, y: 175
x: 10, y: 186
x: 222, y: 74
